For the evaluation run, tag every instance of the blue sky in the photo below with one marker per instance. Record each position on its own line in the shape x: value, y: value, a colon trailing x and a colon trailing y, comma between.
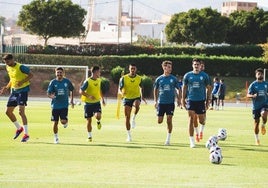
x: 151, y: 9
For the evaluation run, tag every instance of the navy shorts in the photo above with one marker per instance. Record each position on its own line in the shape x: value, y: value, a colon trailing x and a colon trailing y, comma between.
x: 91, y: 109
x: 198, y: 107
x: 257, y: 113
x: 16, y: 99
x: 167, y: 109
x: 221, y: 97
x: 59, y: 113
x: 130, y: 102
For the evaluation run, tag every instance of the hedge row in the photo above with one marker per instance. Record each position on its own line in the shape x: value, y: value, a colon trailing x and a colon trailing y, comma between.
x: 151, y: 65
x: 127, y: 49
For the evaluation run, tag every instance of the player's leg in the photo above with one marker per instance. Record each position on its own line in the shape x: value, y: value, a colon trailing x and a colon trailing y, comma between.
x: 127, y: 110
x: 97, y: 111
x: 136, y: 104
x: 169, y: 129
x: 11, y: 105
x: 196, y: 130
x: 256, y: 117
x: 55, y: 131
x: 169, y: 112
x: 55, y: 114
x: 201, y: 112
x: 22, y: 102
x: 191, y: 115
x: 264, y: 120
x: 64, y: 117
x: 88, y: 114
x: 202, y: 122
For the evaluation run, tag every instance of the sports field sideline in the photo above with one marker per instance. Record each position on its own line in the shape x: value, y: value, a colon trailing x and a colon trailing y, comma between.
x: 109, y: 161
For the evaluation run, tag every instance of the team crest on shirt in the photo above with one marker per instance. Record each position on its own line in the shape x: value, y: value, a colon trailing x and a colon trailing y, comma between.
x: 171, y: 80
x: 201, y: 77
x: 65, y: 84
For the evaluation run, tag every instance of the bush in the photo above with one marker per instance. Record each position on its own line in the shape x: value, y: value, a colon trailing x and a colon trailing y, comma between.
x: 265, y: 53
x: 105, y: 85
x: 45, y: 84
x: 116, y: 74
x: 147, y: 84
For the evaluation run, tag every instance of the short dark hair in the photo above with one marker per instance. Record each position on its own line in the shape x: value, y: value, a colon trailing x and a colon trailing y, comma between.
x: 95, y: 68
x: 196, y: 60
x: 165, y: 63
x: 259, y: 70
x: 59, y: 68
x: 7, y: 57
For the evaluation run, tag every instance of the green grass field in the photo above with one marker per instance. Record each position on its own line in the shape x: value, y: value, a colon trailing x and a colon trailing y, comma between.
x: 111, y: 162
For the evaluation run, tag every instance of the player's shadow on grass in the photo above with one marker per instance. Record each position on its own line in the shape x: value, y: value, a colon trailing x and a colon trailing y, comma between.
x: 246, y: 147
x: 131, y: 145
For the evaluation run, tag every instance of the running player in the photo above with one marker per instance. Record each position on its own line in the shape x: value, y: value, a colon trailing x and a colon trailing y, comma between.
x: 196, y: 87
x: 19, y: 84
x: 59, y: 90
x: 91, y: 94
x: 199, y: 135
x: 258, y: 90
x: 165, y: 89
x: 130, y: 86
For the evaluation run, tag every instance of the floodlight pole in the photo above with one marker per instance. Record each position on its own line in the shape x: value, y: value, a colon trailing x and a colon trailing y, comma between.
x: 131, y: 22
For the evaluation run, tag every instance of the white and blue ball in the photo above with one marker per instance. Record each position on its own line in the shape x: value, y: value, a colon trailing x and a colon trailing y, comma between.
x: 212, y: 141
x: 222, y: 134
x: 215, y: 157
x: 215, y: 149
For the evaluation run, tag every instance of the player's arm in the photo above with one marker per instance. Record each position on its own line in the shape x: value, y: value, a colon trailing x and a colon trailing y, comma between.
x: 155, y: 96
x: 121, y: 86
x: 83, y: 89
x: 25, y: 70
x: 183, y: 98
x: 102, y: 98
x: 251, y: 93
x: 71, y: 94
x: 178, y: 96
x: 50, y: 91
x: 208, y: 95
x: 5, y: 88
x: 141, y: 91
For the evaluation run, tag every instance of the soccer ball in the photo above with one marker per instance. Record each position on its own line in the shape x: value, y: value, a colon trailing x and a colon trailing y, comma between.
x: 215, y: 157
x: 222, y: 134
x: 212, y: 141
x: 215, y: 149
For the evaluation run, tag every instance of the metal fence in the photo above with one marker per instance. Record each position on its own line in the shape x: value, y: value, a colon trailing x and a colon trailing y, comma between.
x: 15, y: 49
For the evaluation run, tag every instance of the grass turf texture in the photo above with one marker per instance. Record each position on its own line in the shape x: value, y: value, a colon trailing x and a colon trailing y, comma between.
x: 109, y: 161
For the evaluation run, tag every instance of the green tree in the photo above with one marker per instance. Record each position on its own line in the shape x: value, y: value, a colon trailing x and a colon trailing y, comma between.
x: 248, y: 27
x: 2, y: 20
x: 205, y: 25
x: 52, y: 18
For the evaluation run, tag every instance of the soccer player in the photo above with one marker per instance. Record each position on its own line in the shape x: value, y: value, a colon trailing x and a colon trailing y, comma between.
x: 91, y: 94
x: 215, y: 94
x: 222, y: 93
x: 19, y: 84
x: 165, y: 88
x: 196, y: 87
x: 59, y: 90
x: 130, y: 86
x: 199, y: 136
x: 258, y: 90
